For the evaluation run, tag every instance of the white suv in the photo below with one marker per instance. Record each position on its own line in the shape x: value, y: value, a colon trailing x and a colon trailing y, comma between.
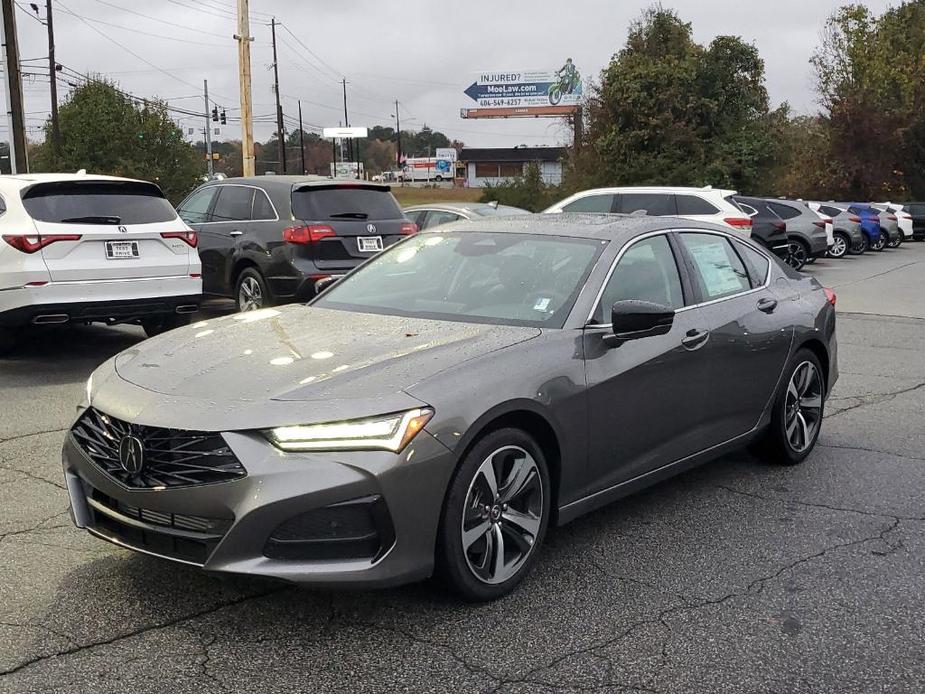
x: 699, y: 204
x: 76, y: 248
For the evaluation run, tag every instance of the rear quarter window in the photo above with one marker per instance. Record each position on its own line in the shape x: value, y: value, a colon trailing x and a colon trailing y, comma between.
x: 692, y: 204
x: 344, y: 202
x: 97, y: 202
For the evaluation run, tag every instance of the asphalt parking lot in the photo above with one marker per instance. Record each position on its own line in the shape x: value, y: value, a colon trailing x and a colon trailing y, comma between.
x: 737, y: 577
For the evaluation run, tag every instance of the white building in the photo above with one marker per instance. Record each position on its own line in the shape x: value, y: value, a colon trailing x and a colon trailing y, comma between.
x: 492, y: 166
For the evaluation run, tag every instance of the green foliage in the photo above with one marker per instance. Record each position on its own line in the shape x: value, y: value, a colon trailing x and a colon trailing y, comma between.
x: 105, y: 132
x: 669, y: 111
x: 870, y: 74
x: 528, y: 191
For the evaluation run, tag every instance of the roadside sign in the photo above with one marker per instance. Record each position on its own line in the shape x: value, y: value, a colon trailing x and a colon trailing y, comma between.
x: 446, y: 153
x: 343, y: 133
x: 525, y: 92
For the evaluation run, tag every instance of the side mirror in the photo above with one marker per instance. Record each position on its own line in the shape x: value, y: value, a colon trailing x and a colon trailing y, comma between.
x: 632, y: 320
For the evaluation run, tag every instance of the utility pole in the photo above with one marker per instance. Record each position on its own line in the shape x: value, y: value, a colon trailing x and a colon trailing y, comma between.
x: 346, y: 119
x: 53, y: 78
x: 302, y: 139
x: 398, y: 133
x: 208, y: 131
x: 13, y: 88
x: 244, y: 39
x: 280, y: 134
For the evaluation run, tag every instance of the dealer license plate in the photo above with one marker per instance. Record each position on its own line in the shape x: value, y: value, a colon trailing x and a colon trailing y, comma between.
x: 120, y: 250
x: 369, y: 244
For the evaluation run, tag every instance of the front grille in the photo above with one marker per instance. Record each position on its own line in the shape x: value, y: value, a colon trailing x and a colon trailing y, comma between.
x: 171, y: 457
x: 177, y: 536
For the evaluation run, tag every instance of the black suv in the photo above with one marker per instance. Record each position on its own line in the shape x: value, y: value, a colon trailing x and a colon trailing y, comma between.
x: 917, y: 211
x: 270, y: 239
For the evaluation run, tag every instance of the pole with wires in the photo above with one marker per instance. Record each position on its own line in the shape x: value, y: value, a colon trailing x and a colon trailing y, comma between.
x: 302, y: 139
x: 12, y: 80
x: 280, y: 129
x: 244, y: 39
x: 346, y: 119
x: 207, y: 133
x: 53, y: 78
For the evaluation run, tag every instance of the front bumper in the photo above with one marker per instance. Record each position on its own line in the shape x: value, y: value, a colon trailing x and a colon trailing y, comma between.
x: 240, y: 516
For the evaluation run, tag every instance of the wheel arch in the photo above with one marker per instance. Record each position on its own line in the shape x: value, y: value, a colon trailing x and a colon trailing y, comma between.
x: 239, y: 265
x: 817, y: 347
x: 531, y: 418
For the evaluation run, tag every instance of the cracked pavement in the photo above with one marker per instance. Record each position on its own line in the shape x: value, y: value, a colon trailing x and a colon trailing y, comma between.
x: 734, y: 577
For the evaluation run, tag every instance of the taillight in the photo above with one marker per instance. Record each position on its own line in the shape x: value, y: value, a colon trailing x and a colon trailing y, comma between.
x: 31, y: 244
x: 739, y: 222
x: 189, y: 237
x: 829, y: 295
x: 307, y: 235
x: 408, y: 228
x: 820, y: 223
x: 780, y: 226
x: 855, y: 219
x: 891, y: 217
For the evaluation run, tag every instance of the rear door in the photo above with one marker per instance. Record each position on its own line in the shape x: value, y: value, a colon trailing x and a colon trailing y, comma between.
x: 108, y: 230
x: 350, y: 222
x: 223, y: 235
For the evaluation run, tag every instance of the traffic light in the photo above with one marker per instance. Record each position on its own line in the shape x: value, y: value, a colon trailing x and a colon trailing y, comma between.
x: 224, y: 120
x: 215, y: 113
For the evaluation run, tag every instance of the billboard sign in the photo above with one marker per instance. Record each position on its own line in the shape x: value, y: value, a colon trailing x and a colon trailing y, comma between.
x: 347, y: 169
x: 343, y: 133
x: 525, y: 90
x: 446, y: 153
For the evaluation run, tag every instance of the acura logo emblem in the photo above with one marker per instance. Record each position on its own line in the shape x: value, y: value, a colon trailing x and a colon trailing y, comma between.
x: 371, y: 228
x: 123, y: 229
x: 131, y: 454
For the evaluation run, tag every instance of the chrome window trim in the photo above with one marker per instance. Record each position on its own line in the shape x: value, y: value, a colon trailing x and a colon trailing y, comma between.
x: 642, y: 237
x: 238, y: 221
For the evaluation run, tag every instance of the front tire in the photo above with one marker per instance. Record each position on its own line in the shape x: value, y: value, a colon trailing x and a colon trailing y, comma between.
x: 860, y: 247
x: 495, y: 516
x: 798, y: 254
x: 251, y: 291
x: 163, y: 323
x: 798, y: 412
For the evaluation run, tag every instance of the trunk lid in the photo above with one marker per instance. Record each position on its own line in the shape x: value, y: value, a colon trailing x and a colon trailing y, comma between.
x: 350, y: 221
x: 107, y: 230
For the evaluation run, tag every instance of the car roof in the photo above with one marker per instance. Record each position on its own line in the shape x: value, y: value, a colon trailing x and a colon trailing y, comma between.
x: 474, y: 207
x: 660, y: 189
x: 20, y: 181
x: 289, y: 182
x: 609, y: 227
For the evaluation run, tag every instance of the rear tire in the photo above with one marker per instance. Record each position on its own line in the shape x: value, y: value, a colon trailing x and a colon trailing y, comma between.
x: 841, y: 245
x: 880, y: 243
x: 251, y: 293
x: 163, y: 323
x: 796, y: 419
x: 860, y: 247
x: 894, y: 243
x: 798, y: 254
x: 498, y: 499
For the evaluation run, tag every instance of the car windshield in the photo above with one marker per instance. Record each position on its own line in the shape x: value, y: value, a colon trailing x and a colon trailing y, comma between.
x: 503, y: 278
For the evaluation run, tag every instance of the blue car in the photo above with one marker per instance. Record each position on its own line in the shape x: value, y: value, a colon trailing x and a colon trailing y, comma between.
x: 870, y: 225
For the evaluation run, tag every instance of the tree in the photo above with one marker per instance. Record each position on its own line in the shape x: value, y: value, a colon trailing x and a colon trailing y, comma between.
x: 528, y: 191
x: 669, y: 111
x: 107, y: 132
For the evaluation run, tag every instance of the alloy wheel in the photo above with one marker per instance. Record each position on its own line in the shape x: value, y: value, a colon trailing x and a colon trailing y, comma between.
x: 796, y: 257
x: 839, y: 247
x: 250, y: 295
x: 803, y: 406
x: 502, y: 514
x: 879, y: 243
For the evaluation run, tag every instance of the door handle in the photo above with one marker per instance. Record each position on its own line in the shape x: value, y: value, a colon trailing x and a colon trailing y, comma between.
x: 695, y: 339
x: 767, y: 305
x: 236, y: 233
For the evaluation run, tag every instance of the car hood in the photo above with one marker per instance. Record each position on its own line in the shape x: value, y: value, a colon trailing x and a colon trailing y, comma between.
x: 300, y: 354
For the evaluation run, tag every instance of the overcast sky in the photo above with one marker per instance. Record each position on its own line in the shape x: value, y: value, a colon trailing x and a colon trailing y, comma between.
x: 422, y: 52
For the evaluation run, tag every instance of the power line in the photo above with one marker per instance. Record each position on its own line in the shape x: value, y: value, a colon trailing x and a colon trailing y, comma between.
x: 317, y: 57
x: 163, y: 21
x: 144, y: 33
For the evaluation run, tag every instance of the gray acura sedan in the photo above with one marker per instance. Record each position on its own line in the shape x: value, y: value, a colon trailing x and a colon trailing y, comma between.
x: 440, y: 406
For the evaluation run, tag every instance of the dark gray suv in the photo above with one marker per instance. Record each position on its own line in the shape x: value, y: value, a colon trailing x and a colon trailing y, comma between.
x: 270, y: 239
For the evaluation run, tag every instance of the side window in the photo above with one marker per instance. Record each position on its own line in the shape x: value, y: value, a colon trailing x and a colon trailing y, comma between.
x: 234, y: 204
x: 416, y: 216
x: 591, y: 203
x: 718, y: 269
x: 437, y: 217
x: 646, y: 272
x: 758, y: 263
x: 263, y: 210
x: 829, y: 211
x: 692, y: 204
x: 784, y: 211
x: 655, y: 204
x: 195, y: 209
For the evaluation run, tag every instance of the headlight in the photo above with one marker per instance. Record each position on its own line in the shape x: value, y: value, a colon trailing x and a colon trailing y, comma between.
x: 391, y: 432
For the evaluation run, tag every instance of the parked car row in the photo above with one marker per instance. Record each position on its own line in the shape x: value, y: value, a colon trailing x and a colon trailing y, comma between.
x: 80, y: 248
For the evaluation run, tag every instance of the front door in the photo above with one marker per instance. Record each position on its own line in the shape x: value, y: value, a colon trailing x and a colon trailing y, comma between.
x: 645, y: 396
x: 223, y: 235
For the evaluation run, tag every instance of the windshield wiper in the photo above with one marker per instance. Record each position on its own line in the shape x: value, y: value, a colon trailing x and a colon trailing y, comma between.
x: 93, y: 219
x: 349, y: 215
